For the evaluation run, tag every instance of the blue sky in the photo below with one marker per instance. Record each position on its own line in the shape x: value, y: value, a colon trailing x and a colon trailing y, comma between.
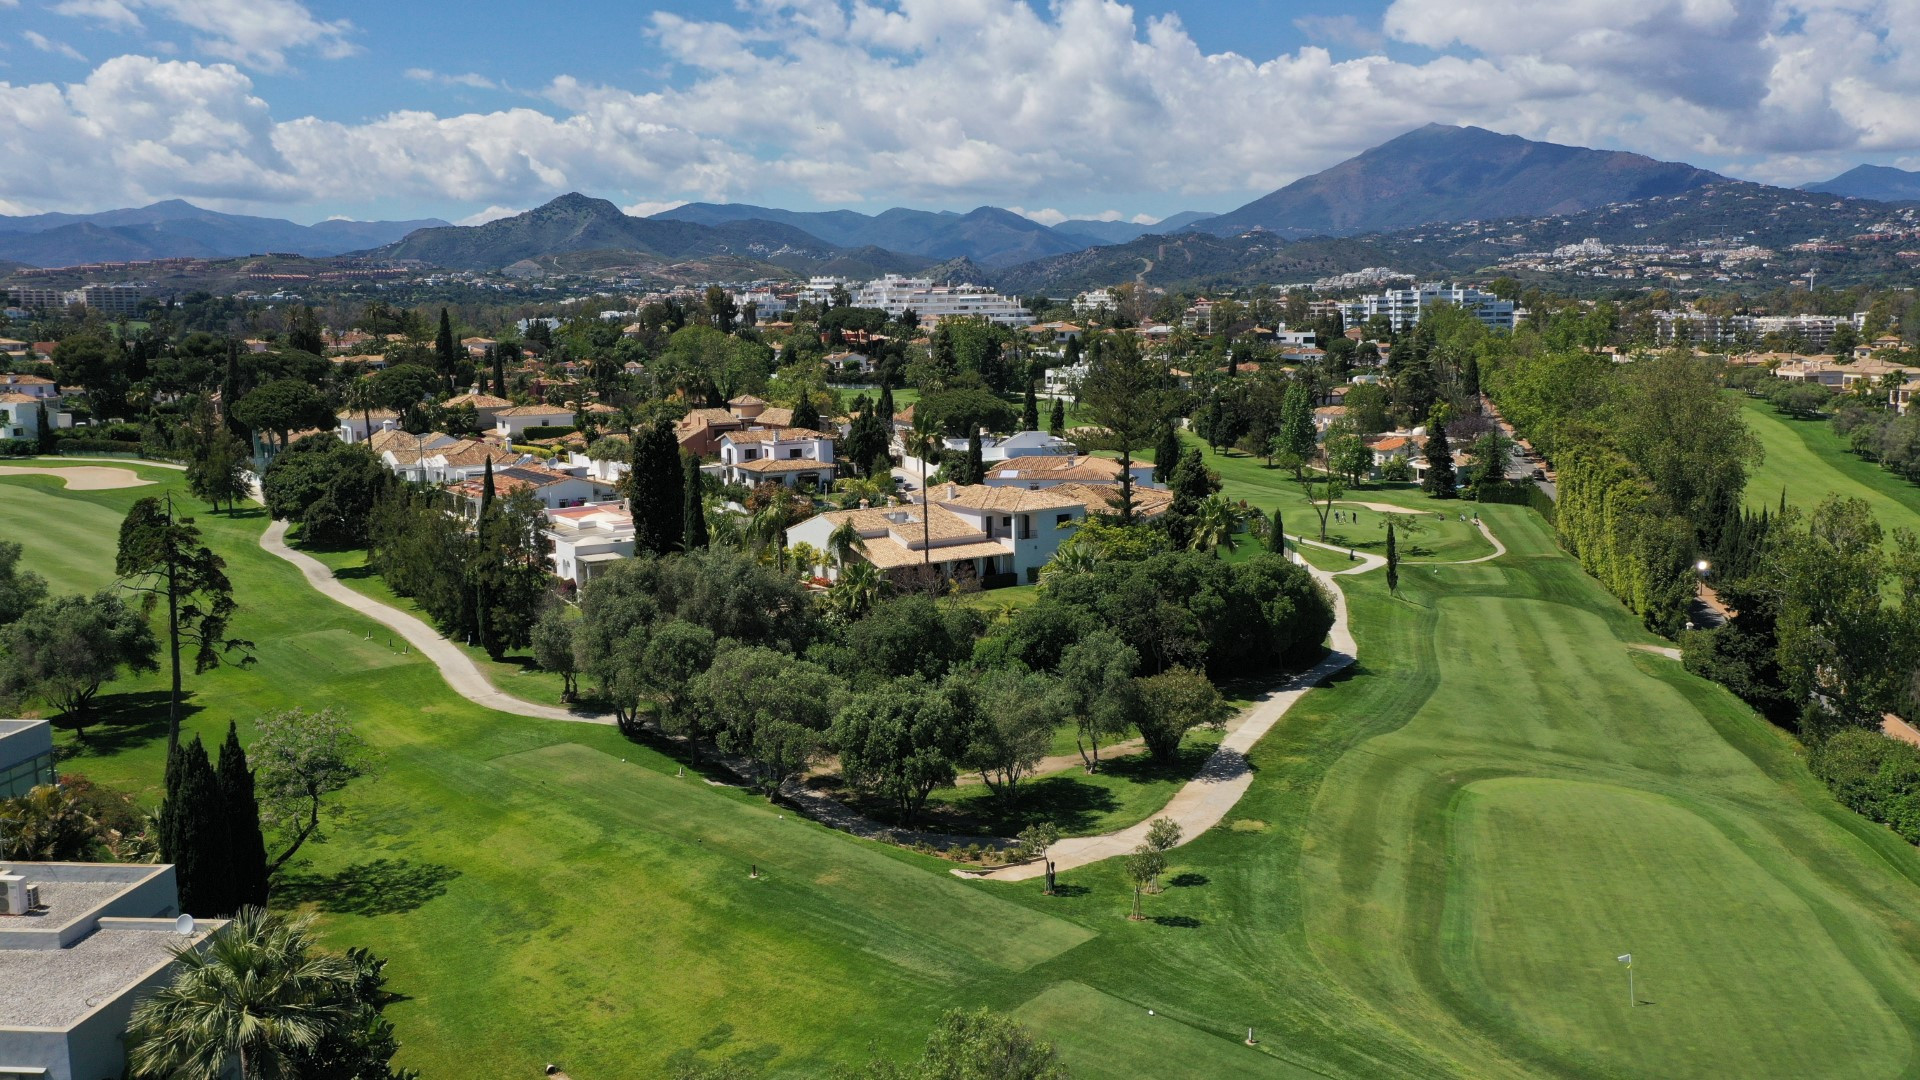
x: 309, y: 108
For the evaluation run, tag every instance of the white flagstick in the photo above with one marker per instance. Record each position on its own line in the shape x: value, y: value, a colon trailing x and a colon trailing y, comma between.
x: 1633, y: 1000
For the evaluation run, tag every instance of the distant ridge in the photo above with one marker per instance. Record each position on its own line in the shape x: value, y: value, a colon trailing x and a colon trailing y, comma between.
x: 177, y: 228
x: 1883, y: 183
x: 987, y: 235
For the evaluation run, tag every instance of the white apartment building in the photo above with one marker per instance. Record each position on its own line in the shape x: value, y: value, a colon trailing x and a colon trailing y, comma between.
x: 1402, y: 307
x: 1094, y: 300
x: 895, y: 294
x: 120, y: 300
x: 1702, y: 327
x: 767, y: 304
x: 819, y: 288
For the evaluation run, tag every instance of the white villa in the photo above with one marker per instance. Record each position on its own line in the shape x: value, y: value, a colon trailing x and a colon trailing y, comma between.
x: 587, y: 539
x: 796, y: 457
x: 512, y: 422
x: 970, y: 533
x: 553, y: 489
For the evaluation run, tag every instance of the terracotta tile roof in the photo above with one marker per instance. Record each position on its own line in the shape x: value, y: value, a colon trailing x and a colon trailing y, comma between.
x: 470, y: 452
x: 395, y: 439
x: 1002, y: 499
x: 478, y: 401
x: 760, y: 435
x: 1058, y: 467
x: 361, y: 414
x: 1100, y: 498
x: 782, y: 465
x: 533, y: 410
x: 24, y: 380
x: 746, y: 399
x: 888, y: 555
x: 775, y: 416
x: 17, y: 399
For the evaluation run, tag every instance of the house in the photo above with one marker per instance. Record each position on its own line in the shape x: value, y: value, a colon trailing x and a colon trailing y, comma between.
x: 1387, y: 448
x: 358, y: 425
x: 586, y: 539
x: 448, y: 460
x: 20, y: 416
x: 34, y: 386
x: 1055, y: 333
x: 849, y: 362
x: 1047, y: 470
x: 1104, y: 498
x: 796, y: 457
x: 26, y: 756
x: 477, y: 346
x: 513, y: 421
x: 699, y: 431
x: 100, y: 937
x: 553, y: 489
x: 485, y: 406
x: 993, y: 448
x: 997, y: 536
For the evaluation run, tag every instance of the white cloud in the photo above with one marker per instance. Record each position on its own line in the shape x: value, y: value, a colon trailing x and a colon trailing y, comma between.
x: 1341, y: 30
x: 470, y: 79
x: 491, y: 213
x: 256, y: 33
x: 41, y: 42
x: 1077, y: 103
x: 1049, y: 216
x: 648, y: 208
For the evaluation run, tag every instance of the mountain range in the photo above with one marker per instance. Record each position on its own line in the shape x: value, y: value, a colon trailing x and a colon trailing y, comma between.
x: 1882, y: 183
x: 180, y: 229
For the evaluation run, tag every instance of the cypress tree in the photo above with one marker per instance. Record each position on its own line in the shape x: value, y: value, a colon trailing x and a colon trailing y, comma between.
x: 482, y: 568
x: 885, y: 408
x: 246, y: 848
x: 486, y: 487
x: 43, y: 431
x: 499, y: 371
x: 806, y: 414
x: 1439, y: 482
x: 976, y: 466
x: 1030, y: 411
x: 230, y: 391
x: 196, y: 830
x: 1166, y: 454
x: 655, y: 495
x: 1057, y: 423
x: 694, y: 514
x: 1277, y: 537
x: 443, y: 348
x: 1393, y: 563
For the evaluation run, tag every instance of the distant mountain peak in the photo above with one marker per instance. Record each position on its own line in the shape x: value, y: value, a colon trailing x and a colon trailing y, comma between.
x: 1880, y: 182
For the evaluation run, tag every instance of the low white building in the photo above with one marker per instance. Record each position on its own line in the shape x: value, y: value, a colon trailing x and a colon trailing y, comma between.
x: 359, y: 425
x: 796, y: 457
x: 552, y: 489
x: 997, y: 536
x: 587, y: 539
x: 20, y: 416
x: 512, y: 422
x: 895, y: 294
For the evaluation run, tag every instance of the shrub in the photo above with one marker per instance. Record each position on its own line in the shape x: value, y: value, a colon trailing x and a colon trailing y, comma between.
x: 535, y: 434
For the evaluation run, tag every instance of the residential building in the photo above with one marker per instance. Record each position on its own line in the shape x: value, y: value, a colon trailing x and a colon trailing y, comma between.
x: 20, y: 416
x: 1062, y: 381
x: 26, y: 757
x: 1055, y: 333
x: 896, y: 294
x: 119, y: 300
x: 587, y: 539
x: 553, y: 489
x: 513, y: 421
x: 485, y: 406
x: 997, y: 536
x: 993, y: 448
x: 796, y: 457
x: 357, y: 425
x: 80, y: 945
x: 38, y: 297
x: 1403, y: 307
x: 435, y: 458
x: 33, y: 386
x: 819, y: 289
x: 1095, y: 301
x: 1043, y: 471
x: 699, y: 431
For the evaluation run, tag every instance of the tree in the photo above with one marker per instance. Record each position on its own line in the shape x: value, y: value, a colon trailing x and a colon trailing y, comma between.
x: 20, y: 589
x: 43, y: 438
x: 1393, y: 563
x: 300, y: 759
x: 1029, y: 409
x: 1142, y: 869
x: 161, y: 556
x: 900, y: 741
x: 693, y: 506
x: 194, y: 833
x: 498, y: 362
x: 261, y: 995
x: 1277, y: 535
x: 805, y: 413
x: 1163, y: 835
x: 1489, y: 464
x: 1214, y: 524
x: 1173, y: 703
x: 1347, y: 453
x: 553, y: 647
x: 1057, y: 419
x: 246, y: 847
x: 1096, y: 680
x: 446, y: 351
x: 1011, y: 716
x: 283, y: 406
x: 64, y: 649
x: 981, y: 1045
x: 1439, y: 481
x: 47, y: 824
x: 327, y: 487
x: 674, y: 660
x: 1166, y: 454
x: 769, y: 708
x: 1129, y: 398
x: 1321, y: 491
x: 1296, y: 424
x: 655, y: 489
x: 218, y: 472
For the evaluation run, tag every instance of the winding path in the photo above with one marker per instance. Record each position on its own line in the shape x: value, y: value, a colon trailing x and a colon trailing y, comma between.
x: 1205, y: 800
x: 461, y: 673
x: 1499, y: 548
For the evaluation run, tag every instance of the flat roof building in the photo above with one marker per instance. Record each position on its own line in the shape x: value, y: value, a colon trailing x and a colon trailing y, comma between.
x: 26, y: 756
x: 80, y: 945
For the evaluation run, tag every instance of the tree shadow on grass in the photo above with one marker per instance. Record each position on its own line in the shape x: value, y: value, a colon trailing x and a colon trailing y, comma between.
x: 1184, y: 921
x: 354, y: 573
x: 379, y: 887
x: 120, y: 722
x: 1187, y: 880
x: 1145, y: 769
x: 1061, y: 888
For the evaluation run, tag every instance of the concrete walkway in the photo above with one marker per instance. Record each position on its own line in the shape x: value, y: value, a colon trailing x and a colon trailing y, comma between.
x: 1205, y: 800
x: 461, y: 673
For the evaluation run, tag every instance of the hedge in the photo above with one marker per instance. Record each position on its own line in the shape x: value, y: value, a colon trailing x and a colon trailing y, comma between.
x: 535, y: 434
x: 1527, y: 494
x: 1872, y: 775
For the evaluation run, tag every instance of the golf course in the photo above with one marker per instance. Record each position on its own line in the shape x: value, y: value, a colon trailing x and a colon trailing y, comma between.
x: 1441, y: 855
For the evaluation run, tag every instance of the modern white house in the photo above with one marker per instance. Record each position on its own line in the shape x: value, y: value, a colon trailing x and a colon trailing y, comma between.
x: 586, y: 539
x: 796, y: 457
x: 80, y: 945
x: 513, y: 421
x: 441, y: 459
x: 997, y: 536
x: 20, y: 416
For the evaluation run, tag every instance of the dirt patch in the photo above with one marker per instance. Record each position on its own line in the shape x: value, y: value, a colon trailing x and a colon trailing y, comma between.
x: 82, y: 477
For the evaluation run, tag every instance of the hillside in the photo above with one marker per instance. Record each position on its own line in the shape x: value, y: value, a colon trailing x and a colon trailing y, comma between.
x: 1121, y: 232
x: 987, y: 235
x: 180, y: 229
x: 1445, y: 173
x: 1881, y: 182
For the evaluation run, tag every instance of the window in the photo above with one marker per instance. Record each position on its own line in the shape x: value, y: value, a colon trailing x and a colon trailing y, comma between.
x: 1061, y: 519
x: 752, y: 454
x: 793, y: 454
x: 25, y: 776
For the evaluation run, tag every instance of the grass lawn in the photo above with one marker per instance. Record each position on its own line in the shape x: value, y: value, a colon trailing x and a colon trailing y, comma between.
x: 1127, y: 790
x: 1810, y: 461
x: 1439, y: 857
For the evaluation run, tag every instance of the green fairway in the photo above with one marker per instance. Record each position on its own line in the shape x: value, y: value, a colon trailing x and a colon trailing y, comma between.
x: 1810, y: 461
x: 1439, y: 857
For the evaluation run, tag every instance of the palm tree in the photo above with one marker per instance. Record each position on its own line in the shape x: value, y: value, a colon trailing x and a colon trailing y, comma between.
x: 844, y: 541
x: 1069, y: 560
x: 859, y: 588
x: 363, y: 395
x: 1215, y: 523
x: 767, y: 529
x: 259, y: 993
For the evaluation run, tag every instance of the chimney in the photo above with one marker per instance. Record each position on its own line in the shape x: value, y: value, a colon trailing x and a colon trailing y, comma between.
x: 951, y: 491
x: 863, y: 504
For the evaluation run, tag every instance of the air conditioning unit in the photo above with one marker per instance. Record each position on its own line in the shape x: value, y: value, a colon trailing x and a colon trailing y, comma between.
x: 33, y: 897
x: 13, y: 895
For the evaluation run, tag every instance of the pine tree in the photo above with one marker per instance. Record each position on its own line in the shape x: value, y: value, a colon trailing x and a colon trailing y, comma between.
x: 694, y: 512
x: 1393, y: 563
x: 1277, y: 536
x: 655, y: 490
x: 1439, y: 481
x: 194, y: 834
x: 1057, y: 422
x: 806, y: 414
x: 1030, y: 410
x: 443, y: 348
x: 246, y: 848
x: 1166, y: 455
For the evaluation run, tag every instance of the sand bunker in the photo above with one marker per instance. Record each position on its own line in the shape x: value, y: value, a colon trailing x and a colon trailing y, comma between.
x: 1386, y: 508
x: 82, y: 477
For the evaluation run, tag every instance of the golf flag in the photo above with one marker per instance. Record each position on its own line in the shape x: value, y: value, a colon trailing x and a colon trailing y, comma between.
x: 1627, y: 959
